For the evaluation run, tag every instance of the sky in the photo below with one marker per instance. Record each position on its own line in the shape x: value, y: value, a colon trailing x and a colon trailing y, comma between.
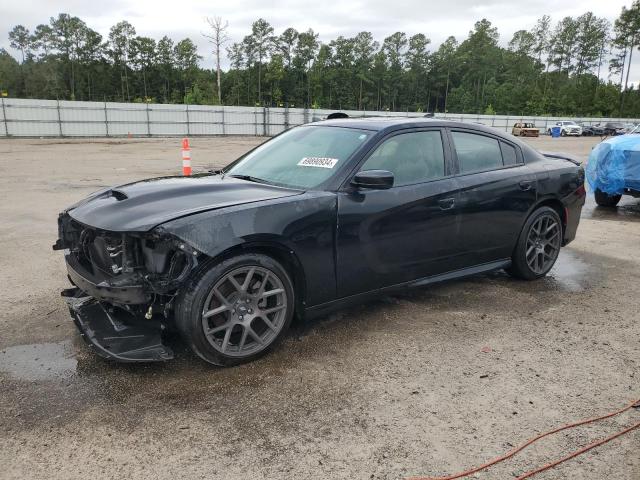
x: 436, y: 19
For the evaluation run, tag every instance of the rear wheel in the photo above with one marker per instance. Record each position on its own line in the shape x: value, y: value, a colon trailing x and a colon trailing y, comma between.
x: 237, y: 310
x: 605, y: 200
x: 538, y: 245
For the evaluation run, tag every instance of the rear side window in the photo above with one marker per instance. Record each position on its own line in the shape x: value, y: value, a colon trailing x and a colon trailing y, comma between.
x: 509, y: 155
x: 476, y: 152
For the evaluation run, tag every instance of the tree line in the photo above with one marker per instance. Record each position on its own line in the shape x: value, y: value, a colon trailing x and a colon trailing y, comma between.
x: 578, y: 66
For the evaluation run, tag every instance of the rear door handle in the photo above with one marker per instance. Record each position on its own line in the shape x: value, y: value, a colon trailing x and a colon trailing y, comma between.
x: 446, y: 203
x: 525, y: 185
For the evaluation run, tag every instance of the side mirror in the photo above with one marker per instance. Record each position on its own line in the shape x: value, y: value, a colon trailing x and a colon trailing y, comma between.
x: 375, y: 179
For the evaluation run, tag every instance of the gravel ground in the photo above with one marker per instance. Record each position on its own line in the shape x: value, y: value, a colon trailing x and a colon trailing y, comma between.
x: 430, y: 381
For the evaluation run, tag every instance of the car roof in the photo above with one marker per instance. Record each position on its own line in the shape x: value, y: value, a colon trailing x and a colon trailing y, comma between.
x: 388, y: 124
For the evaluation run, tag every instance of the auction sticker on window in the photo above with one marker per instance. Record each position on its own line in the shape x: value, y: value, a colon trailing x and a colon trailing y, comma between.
x: 322, y: 162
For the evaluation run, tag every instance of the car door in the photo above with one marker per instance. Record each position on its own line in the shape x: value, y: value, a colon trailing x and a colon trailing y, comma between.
x: 386, y: 237
x: 496, y: 191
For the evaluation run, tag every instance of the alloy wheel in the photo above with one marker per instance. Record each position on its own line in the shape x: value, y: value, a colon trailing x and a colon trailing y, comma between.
x: 543, y: 243
x: 245, y: 311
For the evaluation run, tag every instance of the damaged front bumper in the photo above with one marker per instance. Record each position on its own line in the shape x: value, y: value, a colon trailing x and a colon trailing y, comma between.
x: 103, y: 290
x: 124, y: 286
x: 114, y: 333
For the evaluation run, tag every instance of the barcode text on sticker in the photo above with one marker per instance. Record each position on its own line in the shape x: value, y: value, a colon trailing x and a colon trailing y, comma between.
x: 321, y: 162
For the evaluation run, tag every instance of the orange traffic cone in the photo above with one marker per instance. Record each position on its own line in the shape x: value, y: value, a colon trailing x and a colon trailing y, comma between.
x: 186, y: 157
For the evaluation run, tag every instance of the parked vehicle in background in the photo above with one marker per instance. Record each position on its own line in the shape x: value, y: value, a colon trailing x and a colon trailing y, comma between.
x: 630, y: 127
x: 614, y: 128
x: 567, y: 128
x: 635, y: 131
x: 592, y: 130
x: 613, y: 169
x: 522, y: 129
x: 227, y: 258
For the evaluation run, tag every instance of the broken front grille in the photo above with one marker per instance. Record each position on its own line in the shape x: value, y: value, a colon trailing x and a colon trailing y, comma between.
x: 105, y: 254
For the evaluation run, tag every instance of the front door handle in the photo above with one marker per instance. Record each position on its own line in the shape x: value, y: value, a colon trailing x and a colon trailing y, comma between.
x: 446, y: 203
x: 525, y: 185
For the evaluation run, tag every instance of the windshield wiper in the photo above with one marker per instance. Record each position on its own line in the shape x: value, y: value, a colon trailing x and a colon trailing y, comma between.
x: 249, y: 178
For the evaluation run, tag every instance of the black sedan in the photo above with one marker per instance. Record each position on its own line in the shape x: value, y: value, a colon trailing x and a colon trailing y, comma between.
x: 614, y: 128
x: 592, y: 130
x: 319, y: 217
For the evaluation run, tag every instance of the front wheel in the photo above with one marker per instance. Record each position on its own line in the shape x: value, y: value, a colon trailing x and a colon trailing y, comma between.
x: 235, y: 311
x: 538, y: 245
x: 605, y: 200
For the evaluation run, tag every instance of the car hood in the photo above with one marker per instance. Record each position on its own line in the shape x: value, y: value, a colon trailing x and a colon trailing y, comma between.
x: 140, y: 206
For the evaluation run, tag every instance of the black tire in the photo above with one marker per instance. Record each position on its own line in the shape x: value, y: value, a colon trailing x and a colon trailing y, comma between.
x: 563, y: 133
x: 605, y: 200
x: 520, y: 265
x: 198, y: 295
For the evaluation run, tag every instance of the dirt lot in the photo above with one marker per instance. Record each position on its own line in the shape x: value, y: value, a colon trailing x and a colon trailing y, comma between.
x: 428, y: 382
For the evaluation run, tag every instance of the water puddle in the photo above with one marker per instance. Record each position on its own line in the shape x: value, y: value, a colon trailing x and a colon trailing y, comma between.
x: 40, y: 361
x: 627, y: 210
x: 570, y: 272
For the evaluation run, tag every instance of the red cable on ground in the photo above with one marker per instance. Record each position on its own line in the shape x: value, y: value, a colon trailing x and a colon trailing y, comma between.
x: 531, y: 473
x: 539, y: 437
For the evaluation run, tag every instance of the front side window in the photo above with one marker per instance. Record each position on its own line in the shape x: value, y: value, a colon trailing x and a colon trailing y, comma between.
x: 303, y: 157
x: 413, y: 157
x: 476, y: 152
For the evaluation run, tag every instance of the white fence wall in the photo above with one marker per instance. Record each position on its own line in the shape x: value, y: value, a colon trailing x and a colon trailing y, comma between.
x: 52, y: 118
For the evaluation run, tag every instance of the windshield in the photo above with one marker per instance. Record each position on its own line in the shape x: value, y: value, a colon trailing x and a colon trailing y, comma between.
x: 303, y: 157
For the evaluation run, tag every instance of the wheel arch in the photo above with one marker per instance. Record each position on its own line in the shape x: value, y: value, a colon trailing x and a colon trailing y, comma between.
x: 553, y: 203
x: 557, y: 205
x: 283, y: 255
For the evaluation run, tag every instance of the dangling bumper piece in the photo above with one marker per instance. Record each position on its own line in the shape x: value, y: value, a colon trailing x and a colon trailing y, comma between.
x: 114, y: 333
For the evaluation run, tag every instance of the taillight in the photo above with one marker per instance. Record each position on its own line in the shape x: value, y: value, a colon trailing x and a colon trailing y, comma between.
x: 580, y: 191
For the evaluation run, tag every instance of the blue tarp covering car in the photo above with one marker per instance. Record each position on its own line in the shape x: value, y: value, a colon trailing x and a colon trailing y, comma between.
x: 613, y: 169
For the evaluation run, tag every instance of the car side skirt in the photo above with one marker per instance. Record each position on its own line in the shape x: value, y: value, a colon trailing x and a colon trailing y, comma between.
x: 325, y: 308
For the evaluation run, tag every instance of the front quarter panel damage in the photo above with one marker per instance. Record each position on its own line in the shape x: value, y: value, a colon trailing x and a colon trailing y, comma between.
x: 305, y: 226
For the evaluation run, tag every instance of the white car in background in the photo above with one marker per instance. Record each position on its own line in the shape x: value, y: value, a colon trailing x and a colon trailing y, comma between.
x: 567, y: 128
